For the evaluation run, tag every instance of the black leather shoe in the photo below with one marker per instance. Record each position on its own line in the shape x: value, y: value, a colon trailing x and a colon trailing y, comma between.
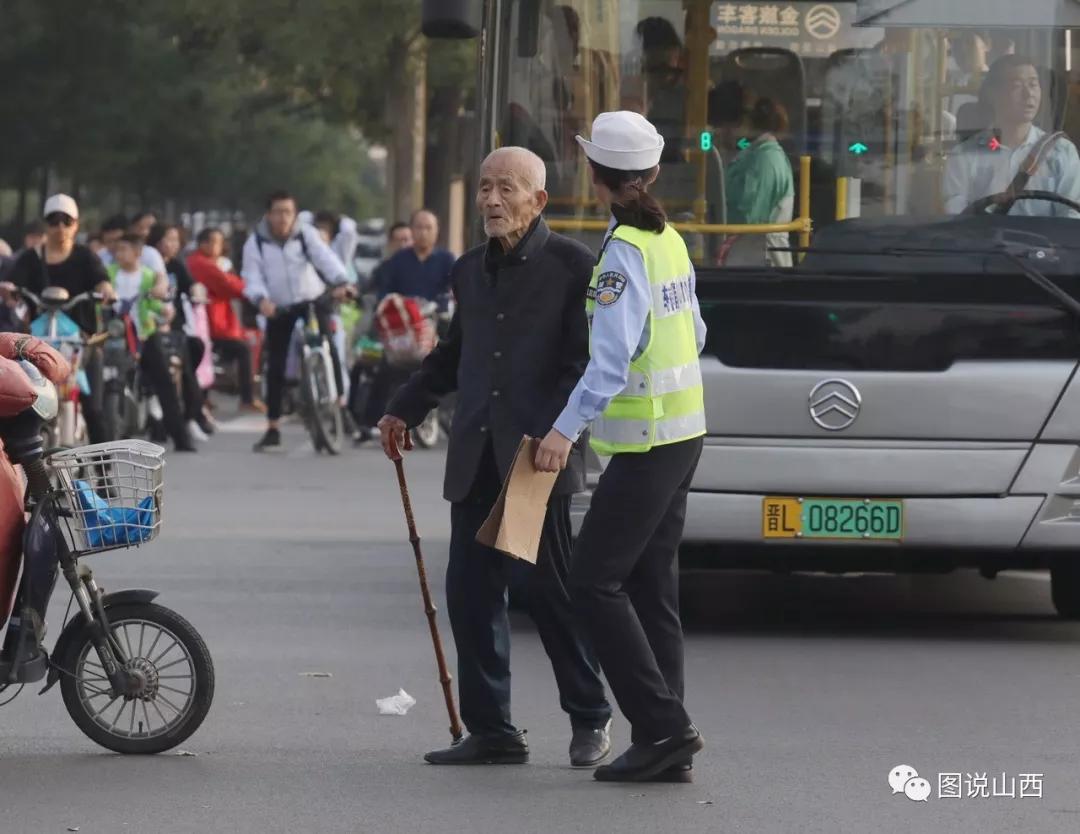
x: 644, y: 761
x: 589, y: 747
x: 680, y: 774
x: 481, y: 749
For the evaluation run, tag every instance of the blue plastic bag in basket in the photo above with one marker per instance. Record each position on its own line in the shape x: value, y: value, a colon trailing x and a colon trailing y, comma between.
x: 108, y: 526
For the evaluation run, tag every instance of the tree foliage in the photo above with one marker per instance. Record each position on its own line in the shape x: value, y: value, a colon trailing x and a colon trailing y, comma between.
x: 204, y: 103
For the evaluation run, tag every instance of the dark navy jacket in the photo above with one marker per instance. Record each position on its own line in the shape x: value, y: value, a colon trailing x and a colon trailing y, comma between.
x: 517, y: 346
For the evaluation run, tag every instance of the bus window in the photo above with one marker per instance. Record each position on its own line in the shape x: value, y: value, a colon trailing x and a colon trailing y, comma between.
x: 896, y: 104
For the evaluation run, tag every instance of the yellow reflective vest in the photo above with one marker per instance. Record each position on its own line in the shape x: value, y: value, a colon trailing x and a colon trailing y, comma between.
x: 663, y: 401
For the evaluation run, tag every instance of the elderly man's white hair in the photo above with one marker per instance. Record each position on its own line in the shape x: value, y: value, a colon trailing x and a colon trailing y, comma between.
x: 524, y: 162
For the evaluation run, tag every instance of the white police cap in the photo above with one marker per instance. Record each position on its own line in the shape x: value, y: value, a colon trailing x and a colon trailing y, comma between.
x: 623, y: 140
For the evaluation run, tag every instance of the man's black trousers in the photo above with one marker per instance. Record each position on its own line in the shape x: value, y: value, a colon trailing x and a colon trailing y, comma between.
x: 156, y: 370
x: 476, y: 593
x: 625, y: 583
x: 279, y: 333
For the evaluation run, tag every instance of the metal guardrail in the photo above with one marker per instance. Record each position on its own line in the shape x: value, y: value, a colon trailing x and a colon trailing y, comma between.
x: 802, y: 225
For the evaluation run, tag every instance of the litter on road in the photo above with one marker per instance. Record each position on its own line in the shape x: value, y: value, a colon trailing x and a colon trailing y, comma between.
x: 395, y: 704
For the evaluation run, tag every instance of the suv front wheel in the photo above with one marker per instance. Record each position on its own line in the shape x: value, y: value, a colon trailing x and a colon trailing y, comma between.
x: 1065, y: 588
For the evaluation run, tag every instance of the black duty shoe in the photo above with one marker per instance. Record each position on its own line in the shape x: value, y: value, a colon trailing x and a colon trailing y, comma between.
x: 680, y: 774
x: 477, y: 749
x: 589, y: 747
x: 270, y: 442
x: 205, y: 424
x: 642, y: 762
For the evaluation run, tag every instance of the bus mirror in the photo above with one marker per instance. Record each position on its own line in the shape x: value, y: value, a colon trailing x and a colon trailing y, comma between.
x: 460, y: 19
x: 528, y: 28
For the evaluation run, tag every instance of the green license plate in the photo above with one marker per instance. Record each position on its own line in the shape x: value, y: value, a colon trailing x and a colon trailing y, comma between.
x: 783, y: 517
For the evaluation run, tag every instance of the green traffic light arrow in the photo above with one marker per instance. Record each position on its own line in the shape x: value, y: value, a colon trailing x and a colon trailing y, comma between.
x: 858, y: 148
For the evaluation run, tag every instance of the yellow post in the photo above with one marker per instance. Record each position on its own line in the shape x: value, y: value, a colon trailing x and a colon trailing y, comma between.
x: 804, y: 201
x: 698, y: 40
x: 841, y: 198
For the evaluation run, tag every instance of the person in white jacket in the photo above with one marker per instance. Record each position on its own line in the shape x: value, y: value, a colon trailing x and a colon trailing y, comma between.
x: 286, y: 265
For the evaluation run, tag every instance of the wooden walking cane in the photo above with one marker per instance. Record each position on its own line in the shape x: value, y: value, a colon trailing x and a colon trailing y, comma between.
x: 429, y: 606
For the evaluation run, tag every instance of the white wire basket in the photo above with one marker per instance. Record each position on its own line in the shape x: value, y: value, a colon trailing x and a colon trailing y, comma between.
x: 109, y: 494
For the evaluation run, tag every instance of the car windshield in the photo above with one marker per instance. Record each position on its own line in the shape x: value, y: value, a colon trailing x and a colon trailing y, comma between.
x: 780, y: 118
x: 369, y: 249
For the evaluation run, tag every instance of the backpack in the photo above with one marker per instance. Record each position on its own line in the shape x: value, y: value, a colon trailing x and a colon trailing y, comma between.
x: 260, y: 240
x: 407, y: 334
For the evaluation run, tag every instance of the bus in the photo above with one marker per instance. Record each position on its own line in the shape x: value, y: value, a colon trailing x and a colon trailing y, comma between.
x: 882, y: 202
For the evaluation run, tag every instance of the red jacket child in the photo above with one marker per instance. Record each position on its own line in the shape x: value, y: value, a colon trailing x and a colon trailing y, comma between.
x: 223, y: 288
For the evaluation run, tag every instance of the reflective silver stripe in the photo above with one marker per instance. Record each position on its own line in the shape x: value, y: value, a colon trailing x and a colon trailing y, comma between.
x: 671, y: 297
x: 666, y: 381
x: 636, y: 432
x: 675, y: 428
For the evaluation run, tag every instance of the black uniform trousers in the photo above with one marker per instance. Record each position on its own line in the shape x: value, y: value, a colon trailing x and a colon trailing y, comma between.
x: 476, y: 594
x: 625, y: 583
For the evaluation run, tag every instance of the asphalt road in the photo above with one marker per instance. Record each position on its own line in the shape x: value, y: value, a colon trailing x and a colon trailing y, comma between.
x: 809, y: 690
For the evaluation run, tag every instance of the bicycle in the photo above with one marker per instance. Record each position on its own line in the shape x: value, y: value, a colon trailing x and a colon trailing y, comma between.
x: 320, y: 399
x: 53, y: 324
x: 135, y: 676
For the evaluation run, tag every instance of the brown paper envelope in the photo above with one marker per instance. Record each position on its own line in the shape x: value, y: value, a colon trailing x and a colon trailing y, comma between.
x: 516, y: 522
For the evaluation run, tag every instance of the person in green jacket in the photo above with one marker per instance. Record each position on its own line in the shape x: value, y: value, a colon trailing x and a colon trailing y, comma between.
x: 760, y: 187
x: 138, y: 288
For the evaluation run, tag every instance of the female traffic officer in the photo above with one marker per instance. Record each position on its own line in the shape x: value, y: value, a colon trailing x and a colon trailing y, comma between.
x: 642, y: 395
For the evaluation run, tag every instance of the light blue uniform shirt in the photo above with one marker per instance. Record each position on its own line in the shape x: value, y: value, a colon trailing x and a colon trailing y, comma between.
x: 620, y: 332
x: 974, y: 170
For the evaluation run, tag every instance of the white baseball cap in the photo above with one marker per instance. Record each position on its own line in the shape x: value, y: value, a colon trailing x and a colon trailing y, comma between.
x: 623, y: 140
x: 61, y: 204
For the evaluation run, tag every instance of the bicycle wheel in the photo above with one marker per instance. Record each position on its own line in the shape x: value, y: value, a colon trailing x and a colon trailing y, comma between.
x: 324, y: 420
x: 175, y: 681
x: 134, y: 413
x: 427, y: 433
x: 114, y: 409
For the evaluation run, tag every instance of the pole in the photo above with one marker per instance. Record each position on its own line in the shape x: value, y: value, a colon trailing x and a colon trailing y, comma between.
x: 429, y: 606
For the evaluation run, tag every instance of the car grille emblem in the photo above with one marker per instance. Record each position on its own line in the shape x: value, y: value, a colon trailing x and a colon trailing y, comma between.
x: 835, y: 404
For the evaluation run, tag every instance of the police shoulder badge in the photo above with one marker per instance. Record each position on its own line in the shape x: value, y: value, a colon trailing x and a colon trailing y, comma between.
x: 609, y: 286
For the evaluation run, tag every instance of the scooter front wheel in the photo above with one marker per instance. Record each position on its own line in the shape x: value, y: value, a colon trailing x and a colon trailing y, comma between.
x: 172, y: 678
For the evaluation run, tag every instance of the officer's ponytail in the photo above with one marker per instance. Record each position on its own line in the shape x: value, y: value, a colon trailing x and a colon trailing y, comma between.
x: 631, y: 204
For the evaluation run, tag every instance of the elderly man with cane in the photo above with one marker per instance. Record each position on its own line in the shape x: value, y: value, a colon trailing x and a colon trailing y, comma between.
x: 517, y: 346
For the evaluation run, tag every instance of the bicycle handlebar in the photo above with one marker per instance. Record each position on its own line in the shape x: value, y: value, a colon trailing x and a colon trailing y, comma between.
x: 281, y: 310
x: 66, y: 306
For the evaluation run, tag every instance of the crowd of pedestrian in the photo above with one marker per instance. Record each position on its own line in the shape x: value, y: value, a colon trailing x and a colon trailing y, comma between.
x: 187, y: 301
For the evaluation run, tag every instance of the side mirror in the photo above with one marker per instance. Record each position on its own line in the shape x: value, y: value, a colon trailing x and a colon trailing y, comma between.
x: 459, y: 19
